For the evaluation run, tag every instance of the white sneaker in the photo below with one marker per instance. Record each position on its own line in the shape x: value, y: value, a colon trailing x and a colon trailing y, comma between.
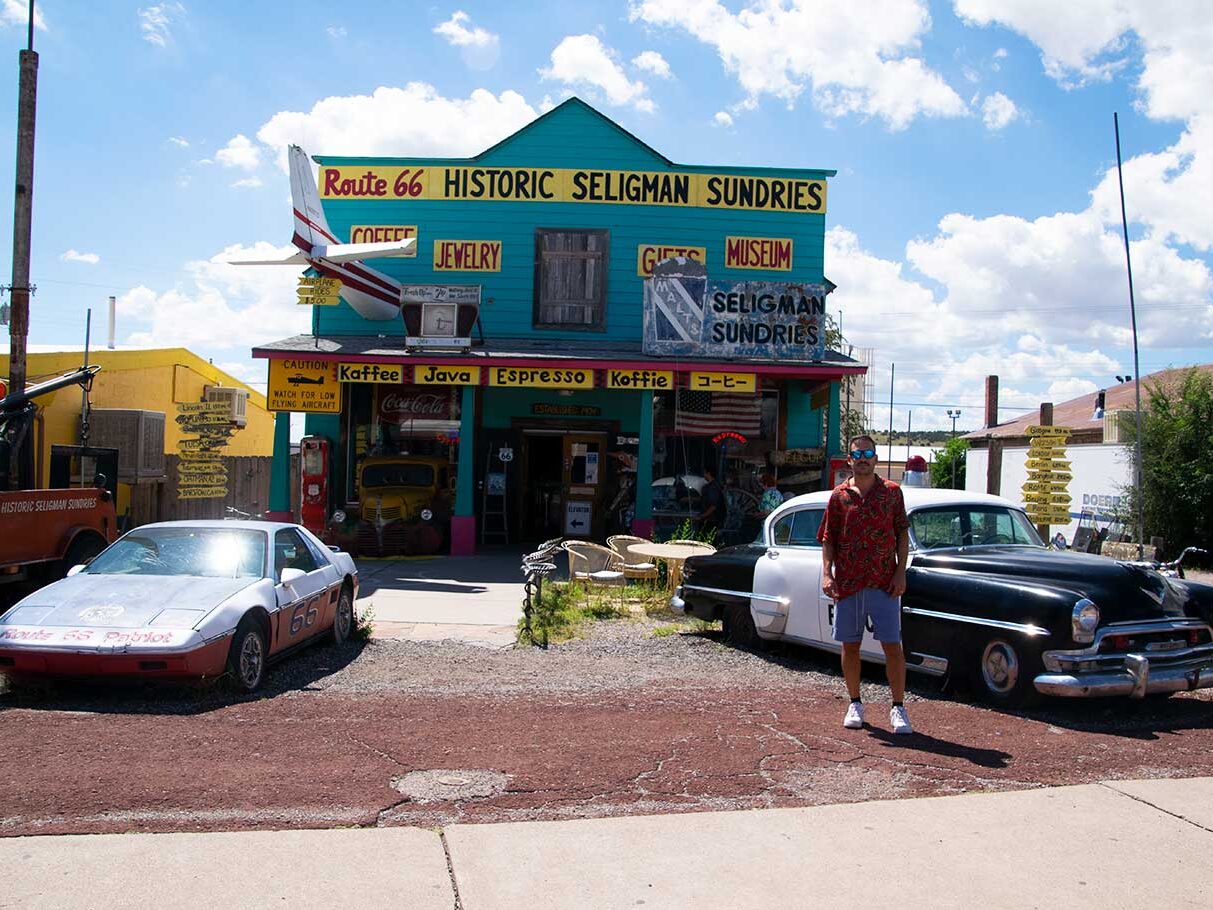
x: 899, y: 720
x: 854, y: 718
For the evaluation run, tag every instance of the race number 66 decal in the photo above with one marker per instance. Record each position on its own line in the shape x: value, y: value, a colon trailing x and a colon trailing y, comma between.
x: 305, y: 614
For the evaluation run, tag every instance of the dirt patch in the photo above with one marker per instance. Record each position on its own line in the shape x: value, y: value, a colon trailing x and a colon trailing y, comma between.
x: 623, y: 722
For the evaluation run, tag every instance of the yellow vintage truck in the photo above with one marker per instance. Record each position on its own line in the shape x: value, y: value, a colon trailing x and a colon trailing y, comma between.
x: 404, y: 504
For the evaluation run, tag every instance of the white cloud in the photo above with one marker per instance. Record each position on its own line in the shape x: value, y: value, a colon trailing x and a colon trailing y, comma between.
x: 239, y: 152
x: 203, y: 312
x: 652, y: 62
x: 583, y: 60
x: 155, y: 22
x: 412, y: 121
x: 180, y: 141
x: 998, y: 110
x: 723, y: 118
x: 16, y: 12
x: 478, y: 46
x: 855, y: 58
x: 73, y: 256
x: 336, y: 32
x: 456, y: 31
x: 248, y: 183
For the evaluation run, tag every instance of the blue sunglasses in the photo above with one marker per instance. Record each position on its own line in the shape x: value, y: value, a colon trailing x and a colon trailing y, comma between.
x: 863, y: 453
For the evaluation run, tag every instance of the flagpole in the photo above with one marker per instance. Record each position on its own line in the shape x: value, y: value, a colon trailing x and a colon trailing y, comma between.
x: 1124, y: 222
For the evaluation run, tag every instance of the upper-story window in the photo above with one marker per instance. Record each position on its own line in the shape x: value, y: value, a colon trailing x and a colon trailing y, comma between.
x: 570, y: 278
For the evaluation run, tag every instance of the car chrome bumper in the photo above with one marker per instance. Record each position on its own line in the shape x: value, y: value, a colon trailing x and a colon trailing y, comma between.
x: 1136, y: 679
x: 677, y: 604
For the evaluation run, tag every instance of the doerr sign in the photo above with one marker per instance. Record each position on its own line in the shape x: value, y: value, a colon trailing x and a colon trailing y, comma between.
x: 687, y: 315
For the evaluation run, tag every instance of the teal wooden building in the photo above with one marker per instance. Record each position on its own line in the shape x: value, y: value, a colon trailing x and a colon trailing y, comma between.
x: 579, y: 330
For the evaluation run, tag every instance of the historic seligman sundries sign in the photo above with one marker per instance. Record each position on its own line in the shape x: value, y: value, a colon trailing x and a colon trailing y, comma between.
x: 686, y: 314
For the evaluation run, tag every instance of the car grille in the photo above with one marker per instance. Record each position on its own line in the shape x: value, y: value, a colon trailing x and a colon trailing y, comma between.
x: 1176, y: 643
x: 385, y: 513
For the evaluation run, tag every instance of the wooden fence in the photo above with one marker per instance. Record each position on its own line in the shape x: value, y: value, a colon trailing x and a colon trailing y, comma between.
x: 248, y: 490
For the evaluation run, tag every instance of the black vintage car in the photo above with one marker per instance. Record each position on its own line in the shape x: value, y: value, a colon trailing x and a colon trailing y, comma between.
x: 985, y: 600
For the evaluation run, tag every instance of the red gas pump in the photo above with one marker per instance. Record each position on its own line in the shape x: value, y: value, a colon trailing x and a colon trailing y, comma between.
x: 314, y: 483
x: 840, y: 470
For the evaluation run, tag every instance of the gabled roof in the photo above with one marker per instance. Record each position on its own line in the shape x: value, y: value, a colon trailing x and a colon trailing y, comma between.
x: 1078, y: 413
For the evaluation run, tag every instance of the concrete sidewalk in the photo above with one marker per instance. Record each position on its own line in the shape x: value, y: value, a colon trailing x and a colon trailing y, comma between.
x: 477, y: 600
x: 1113, y: 844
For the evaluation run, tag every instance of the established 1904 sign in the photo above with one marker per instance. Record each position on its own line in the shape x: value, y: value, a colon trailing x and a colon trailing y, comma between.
x: 685, y: 314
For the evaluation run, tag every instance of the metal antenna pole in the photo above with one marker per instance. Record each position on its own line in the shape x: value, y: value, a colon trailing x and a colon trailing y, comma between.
x: 88, y: 331
x: 1124, y: 222
x: 892, y: 373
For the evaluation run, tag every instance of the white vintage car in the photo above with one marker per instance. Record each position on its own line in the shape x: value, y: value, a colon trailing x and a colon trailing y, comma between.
x: 185, y: 599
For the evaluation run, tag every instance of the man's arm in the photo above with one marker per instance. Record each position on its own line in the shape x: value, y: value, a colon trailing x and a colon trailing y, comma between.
x: 827, y: 568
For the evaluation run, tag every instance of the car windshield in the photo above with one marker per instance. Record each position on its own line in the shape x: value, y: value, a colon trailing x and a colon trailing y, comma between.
x: 398, y: 475
x: 971, y: 526
x: 206, y: 552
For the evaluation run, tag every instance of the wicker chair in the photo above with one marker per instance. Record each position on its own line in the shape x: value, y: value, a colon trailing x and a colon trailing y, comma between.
x: 634, y: 565
x: 594, y: 563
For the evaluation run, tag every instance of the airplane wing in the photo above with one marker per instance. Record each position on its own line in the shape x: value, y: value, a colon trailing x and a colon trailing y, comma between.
x: 349, y: 252
x: 299, y: 258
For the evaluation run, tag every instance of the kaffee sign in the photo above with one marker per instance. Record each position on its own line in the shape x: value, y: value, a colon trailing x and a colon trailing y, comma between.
x: 404, y: 404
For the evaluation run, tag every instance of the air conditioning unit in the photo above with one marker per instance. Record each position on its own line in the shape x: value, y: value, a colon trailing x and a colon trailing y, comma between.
x: 137, y: 435
x: 236, y: 399
x: 1117, y: 425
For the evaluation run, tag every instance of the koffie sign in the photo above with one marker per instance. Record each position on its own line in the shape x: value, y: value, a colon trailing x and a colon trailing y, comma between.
x: 522, y: 184
x: 692, y: 316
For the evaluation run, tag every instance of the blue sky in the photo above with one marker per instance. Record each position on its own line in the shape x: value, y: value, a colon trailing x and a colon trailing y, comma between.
x: 973, y: 225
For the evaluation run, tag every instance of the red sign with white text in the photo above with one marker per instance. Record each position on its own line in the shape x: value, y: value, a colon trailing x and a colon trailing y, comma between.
x: 402, y: 404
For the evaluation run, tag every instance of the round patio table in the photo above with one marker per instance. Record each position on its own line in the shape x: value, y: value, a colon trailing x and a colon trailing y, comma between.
x: 672, y: 554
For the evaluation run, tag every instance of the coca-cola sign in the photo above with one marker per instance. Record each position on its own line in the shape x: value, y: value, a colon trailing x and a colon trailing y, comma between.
x: 405, y: 403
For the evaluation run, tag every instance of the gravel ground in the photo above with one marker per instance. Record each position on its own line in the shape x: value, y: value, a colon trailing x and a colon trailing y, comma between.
x: 625, y: 721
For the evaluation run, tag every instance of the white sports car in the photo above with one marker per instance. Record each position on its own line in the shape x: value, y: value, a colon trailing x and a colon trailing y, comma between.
x: 185, y: 599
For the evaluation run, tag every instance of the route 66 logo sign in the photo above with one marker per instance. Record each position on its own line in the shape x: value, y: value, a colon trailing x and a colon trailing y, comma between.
x: 506, y: 454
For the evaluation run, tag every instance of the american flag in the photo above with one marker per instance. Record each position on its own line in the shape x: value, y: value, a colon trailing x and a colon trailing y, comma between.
x: 709, y: 413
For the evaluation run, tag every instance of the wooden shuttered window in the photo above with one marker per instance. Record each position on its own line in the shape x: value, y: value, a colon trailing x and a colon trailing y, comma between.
x: 570, y: 278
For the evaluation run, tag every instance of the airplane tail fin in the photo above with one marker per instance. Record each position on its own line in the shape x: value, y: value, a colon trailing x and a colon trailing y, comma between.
x: 311, y: 228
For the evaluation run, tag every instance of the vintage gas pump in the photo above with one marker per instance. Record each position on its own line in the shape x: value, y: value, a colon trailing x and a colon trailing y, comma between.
x: 314, y: 483
x: 840, y: 470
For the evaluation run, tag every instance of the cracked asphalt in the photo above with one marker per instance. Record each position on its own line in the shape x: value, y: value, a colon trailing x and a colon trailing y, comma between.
x: 627, y: 721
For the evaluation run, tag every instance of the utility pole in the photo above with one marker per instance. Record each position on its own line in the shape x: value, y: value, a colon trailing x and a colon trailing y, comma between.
x: 954, y: 414
x: 23, y: 210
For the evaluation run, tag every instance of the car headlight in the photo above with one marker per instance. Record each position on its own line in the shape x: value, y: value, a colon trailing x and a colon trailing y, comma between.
x: 339, y: 516
x: 426, y: 514
x: 1084, y: 621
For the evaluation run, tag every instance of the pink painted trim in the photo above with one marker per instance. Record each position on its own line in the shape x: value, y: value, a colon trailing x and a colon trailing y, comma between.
x: 463, y: 535
x: 535, y: 363
x: 643, y: 527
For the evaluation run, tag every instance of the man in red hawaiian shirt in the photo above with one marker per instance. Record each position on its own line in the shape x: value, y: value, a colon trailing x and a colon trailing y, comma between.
x: 866, y: 542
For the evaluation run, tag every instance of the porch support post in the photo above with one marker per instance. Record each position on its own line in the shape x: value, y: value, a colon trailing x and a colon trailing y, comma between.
x: 463, y: 522
x: 280, y: 470
x: 833, y: 438
x: 642, y: 520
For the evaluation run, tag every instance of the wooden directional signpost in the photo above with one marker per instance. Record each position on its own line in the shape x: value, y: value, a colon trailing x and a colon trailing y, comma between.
x: 200, y: 470
x: 319, y: 291
x: 1045, y: 495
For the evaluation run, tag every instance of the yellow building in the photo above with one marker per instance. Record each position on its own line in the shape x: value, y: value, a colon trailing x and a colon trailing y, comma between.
x: 152, y: 380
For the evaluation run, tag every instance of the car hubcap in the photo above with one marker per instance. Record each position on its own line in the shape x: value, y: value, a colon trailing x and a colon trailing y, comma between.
x: 345, y: 617
x: 1000, y: 667
x: 250, y: 659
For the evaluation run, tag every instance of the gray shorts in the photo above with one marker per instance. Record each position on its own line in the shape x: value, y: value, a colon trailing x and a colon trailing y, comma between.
x: 869, y: 606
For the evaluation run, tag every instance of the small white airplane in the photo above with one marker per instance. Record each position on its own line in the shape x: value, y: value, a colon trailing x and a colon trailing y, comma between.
x: 372, y: 294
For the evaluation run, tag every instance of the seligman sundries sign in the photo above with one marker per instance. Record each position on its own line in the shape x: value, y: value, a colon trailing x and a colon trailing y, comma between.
x: 688, y: 315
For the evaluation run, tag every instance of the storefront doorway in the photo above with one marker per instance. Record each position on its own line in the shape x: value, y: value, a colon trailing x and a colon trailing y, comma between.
x: 564, y: 476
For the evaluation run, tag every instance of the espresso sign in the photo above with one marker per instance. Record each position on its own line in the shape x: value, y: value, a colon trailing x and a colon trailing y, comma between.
x: 404, y: 404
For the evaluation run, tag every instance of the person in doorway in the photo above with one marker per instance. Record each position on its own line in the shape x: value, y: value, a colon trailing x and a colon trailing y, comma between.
x: 866, y: 543
x: 712, y: 500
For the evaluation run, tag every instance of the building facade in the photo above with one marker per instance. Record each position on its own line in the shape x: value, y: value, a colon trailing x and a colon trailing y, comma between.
x: 585, y: 327
x: 138, y: 404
